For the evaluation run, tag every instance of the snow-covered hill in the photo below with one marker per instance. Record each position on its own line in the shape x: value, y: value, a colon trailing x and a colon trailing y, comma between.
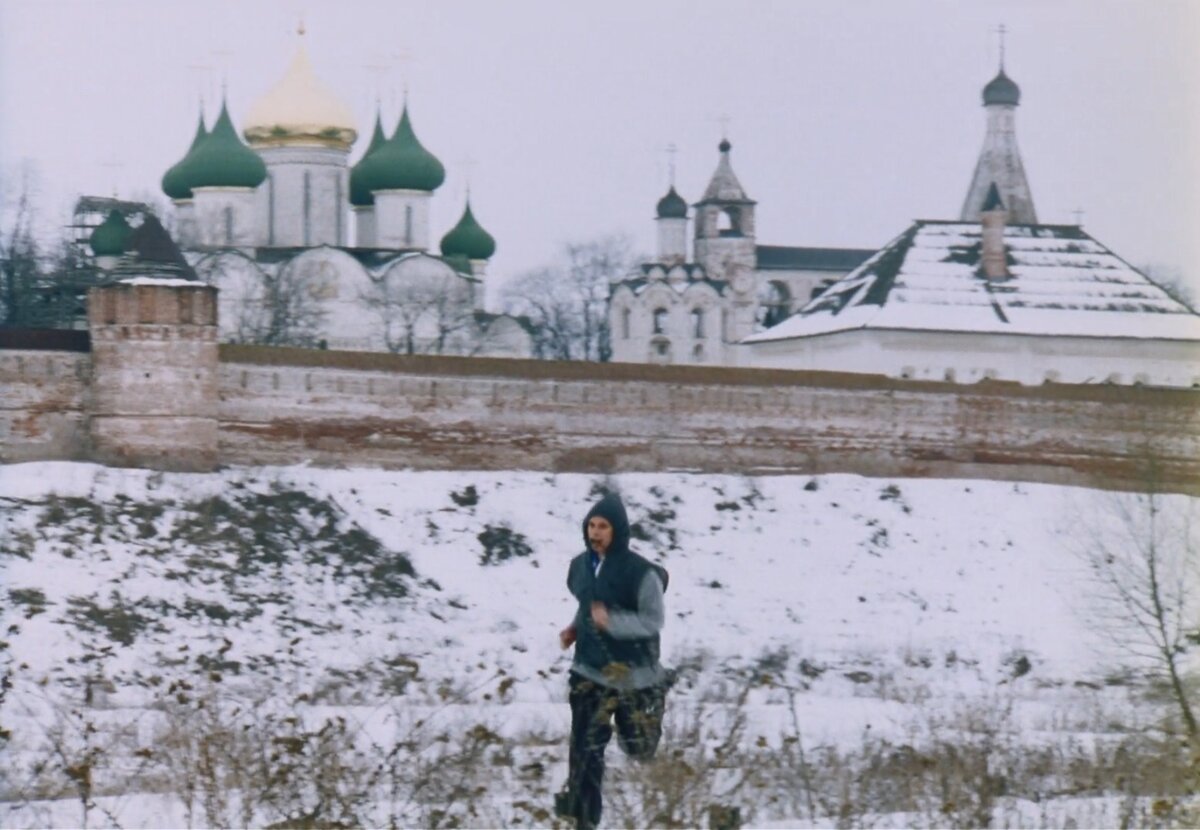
x: 860, y: 605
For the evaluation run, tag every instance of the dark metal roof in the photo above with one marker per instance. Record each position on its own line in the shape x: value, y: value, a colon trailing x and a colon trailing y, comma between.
x: 151, y: 251
x: 369, y: 257
x: 786, y: 258
x: 1001, y: 90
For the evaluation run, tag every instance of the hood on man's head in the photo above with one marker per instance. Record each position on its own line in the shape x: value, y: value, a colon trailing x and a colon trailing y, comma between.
x: 610, y: 507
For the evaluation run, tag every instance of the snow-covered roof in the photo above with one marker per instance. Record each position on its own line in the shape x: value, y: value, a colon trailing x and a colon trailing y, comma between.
x: 1061, y: 282
x: 171, y: 282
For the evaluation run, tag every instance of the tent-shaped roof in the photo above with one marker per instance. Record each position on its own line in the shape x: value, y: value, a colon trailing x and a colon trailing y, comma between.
x: 1062, y: 283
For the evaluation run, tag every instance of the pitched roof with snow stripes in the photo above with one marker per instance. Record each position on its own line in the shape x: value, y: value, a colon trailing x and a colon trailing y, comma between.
x: 1061, y: 282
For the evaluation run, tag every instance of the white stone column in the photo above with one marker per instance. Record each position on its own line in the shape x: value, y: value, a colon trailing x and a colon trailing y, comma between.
x: 225, y: 216
x: 364, y: 226
x: 672, y: 239
x: 402, y: 219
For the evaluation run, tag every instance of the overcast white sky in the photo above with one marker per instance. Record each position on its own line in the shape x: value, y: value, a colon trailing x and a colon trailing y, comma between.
x: 848, y: 119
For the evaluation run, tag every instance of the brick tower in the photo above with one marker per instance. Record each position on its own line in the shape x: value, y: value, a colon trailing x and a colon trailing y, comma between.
x: 154, y: 374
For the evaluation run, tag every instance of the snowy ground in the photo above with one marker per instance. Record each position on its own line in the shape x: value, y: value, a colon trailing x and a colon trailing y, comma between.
x: 839, y: 610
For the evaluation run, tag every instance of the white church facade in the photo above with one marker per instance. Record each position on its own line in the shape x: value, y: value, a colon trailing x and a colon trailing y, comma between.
x: 676, y: 309
x: 296, y: 236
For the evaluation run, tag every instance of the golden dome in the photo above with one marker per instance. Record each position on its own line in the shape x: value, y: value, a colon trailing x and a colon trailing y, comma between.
x: 300, y: 110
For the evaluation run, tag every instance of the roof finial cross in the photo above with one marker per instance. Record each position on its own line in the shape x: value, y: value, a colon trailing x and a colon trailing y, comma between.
x: 402, y: 58
x: 468, y: 164
x: 377, y: 70
x: 1078, y: 212
x: 724, y: 120
x: 204, y: 70
x: 1001, y: 30
x: 113, y: 165
x: 671, y: 151
x: 223, y: 56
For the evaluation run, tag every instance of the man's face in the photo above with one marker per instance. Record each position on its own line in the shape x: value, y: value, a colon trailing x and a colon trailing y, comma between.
x: 600, y: 534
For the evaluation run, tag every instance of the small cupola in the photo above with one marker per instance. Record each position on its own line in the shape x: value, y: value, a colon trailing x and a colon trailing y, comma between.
x: 672, y: 206
x: 403, y: 163
x: 111, y: 237
x: 1001, y: 90
x: 175, y: 182
x: 222, y: 160
x: 468, y: 238
x: 360, y: 175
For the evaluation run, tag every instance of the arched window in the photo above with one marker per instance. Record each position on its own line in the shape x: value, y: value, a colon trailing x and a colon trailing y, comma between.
x: 774, y: 304
x: 698, y: 323
x: 729, y: 222
x: 408, y: 225
x: 625, y: 314
x: 660, y: 321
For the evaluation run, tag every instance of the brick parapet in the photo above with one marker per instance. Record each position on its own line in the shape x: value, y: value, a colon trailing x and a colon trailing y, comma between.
x: 129, y: 304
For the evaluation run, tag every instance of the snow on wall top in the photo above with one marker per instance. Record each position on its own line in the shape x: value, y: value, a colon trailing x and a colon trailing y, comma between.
x: 1061, y: 282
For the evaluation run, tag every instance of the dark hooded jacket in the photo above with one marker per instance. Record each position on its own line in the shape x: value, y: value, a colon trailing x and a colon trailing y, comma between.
x: 617, y: 586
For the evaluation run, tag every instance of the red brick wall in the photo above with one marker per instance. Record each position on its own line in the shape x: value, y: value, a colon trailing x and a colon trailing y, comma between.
x: 286, y: 406
x: 43, y: 399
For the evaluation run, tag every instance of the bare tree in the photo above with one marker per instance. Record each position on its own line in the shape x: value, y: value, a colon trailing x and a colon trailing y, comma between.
x: 1144, y: 554
x: 422, y: 315
x: 43, y: 281
x: 279, y: 310
x: 567, y: 303
x: 20, y: 256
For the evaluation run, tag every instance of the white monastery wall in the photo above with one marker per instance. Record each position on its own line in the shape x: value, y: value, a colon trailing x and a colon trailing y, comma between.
x: 968, y: 358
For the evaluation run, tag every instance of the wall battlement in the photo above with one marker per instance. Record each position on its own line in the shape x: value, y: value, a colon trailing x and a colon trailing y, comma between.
x: 174, y: 399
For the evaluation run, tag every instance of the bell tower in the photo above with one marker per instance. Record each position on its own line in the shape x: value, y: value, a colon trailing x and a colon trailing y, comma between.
x: 725, y: 222
x: 1000, y: 160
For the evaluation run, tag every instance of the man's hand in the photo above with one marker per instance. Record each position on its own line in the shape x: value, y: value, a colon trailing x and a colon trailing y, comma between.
x: 566, y: 637
x: 600, y: 615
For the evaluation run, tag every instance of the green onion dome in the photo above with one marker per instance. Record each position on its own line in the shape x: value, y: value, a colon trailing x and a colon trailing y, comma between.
x: 672, y: 206
x: 1001, y: 90
x: 111, y: 236
x: 222, y: 160
x: 174, y: 181
x: 360, y: 193
x: 468, y: 239
x: 401, y: 163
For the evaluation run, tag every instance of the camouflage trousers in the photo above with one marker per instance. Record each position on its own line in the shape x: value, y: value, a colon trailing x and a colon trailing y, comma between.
x: 638, y: 715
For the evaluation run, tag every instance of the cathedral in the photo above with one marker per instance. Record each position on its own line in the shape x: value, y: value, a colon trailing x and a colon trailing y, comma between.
x: 266, y: 217
x: 991, y: 295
